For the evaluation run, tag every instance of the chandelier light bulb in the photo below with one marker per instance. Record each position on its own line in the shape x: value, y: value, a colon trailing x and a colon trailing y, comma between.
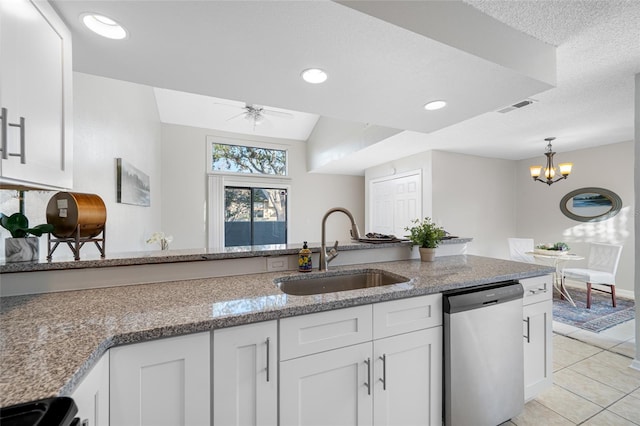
x: 535, y: 171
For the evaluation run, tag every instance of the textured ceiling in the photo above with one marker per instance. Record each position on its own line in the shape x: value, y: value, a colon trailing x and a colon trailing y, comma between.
x: 598, y: 55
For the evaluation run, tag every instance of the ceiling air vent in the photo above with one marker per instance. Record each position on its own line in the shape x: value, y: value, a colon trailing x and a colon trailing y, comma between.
x: 516, y: 106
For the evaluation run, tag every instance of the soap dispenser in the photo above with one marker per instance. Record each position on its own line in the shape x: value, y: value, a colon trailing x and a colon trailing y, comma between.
x: 304, y: 259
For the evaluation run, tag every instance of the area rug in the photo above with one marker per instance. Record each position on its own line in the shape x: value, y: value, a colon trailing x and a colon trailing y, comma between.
x: 600, y: 317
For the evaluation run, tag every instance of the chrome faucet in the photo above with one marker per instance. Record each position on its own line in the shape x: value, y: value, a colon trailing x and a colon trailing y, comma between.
x: 326, y: 257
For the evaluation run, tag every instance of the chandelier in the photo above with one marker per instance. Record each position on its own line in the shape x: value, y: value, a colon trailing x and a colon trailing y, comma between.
x: 550, y: 170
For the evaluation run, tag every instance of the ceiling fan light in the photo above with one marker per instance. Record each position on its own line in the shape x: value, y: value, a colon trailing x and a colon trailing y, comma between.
x: 104, y: 26
x: 314, y: 75
x: 435, y: 105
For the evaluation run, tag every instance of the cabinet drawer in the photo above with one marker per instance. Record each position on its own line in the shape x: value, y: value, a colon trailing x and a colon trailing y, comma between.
x: 308, y: 334
x: 537, y: 289
x: 405, y: 315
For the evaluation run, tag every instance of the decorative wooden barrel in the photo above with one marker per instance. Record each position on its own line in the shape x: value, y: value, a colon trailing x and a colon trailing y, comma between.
x: 68, y: 211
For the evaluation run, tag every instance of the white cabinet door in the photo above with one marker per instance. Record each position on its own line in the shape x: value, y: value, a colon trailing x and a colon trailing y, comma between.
x: 161, y: 382
x: 35, y: 83
x: 538, y: 363
x: 245, y: 377
x: 408, y: 379
x: 92, y: 395
x: 328, y: 389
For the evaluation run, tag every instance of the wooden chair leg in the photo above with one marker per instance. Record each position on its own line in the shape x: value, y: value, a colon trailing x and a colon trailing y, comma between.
x: 613, y: 295
x: 588, y: 295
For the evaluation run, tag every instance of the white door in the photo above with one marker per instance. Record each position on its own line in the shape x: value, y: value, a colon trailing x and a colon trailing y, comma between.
x: 394, y: 203
x: 245, y: 379
x: 162, y: 382
x: 408, y: 379
x: 538, y: 364
x: 35, y: 83
x: 92, y: 395
x: 331, y: 388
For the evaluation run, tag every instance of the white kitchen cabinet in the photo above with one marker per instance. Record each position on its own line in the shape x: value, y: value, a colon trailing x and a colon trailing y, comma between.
x: 408, y: 379
x: 35, y: 85
x: 245, y: 376
x: 328, y: 389
x: 396, y: 379
x: 92, y: 395
x: 161, y: 382
x: 537, y: 332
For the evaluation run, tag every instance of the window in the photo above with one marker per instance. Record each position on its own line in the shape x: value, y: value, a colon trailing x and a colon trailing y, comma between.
x: 254, y: 216
x: 247, y: 159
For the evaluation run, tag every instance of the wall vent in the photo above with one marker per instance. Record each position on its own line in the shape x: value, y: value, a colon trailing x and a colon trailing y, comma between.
x: 517, y: 105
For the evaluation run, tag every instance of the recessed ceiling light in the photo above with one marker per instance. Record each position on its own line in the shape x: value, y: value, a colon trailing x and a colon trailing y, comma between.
x: 314, y: 75
x: 106, y: 27
x: 434, y: 105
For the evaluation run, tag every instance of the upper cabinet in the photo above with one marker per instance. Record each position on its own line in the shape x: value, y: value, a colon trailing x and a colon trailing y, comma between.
x: 35, y: 97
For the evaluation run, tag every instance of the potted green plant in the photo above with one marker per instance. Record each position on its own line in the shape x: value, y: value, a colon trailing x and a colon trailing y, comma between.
x: 426, y: 235
x: 20, y: 247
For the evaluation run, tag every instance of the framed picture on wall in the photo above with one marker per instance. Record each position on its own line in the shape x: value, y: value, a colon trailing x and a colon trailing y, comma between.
x: 132, y: 185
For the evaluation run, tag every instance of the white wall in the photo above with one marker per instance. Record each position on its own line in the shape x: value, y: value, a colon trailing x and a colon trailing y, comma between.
x: 492, y: 199
x: 116, y: 119
x: 469, y: 196
x: 538, y: 205
x: 473, y: 197
x: 311, y: 195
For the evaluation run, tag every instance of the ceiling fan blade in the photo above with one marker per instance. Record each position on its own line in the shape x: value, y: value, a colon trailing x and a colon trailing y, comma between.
x: 229, y: 106
x: 236, y: 116
x: 277, y: 113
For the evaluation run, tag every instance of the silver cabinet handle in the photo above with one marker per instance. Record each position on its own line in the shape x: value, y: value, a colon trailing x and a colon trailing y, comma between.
x: 528, y: 336
x: 368, y: 383
x: 540, y: 290
x: 384, y: 371
x: 3, y: 146
x: 3, y: 136
x: 268, y: 341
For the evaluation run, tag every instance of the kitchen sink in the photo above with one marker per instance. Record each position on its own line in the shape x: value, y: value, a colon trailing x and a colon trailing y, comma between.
x: 337, y: 281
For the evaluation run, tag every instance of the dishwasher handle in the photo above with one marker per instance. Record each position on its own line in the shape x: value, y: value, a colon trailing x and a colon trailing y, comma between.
x: 481, y: 296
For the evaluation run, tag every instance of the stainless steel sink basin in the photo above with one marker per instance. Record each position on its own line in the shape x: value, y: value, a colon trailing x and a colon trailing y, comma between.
x: 337, y: 281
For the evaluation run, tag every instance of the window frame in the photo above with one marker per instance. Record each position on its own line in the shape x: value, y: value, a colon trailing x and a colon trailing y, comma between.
x: 210, y: 140
x: 214, y: 205
x: 251, y: 189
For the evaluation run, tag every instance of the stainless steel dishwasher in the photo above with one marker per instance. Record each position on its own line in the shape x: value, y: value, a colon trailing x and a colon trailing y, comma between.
x: 483, y: 354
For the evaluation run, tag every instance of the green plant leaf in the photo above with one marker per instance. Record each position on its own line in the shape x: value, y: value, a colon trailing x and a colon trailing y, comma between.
x: 18, y: 225
x: 40, y: 229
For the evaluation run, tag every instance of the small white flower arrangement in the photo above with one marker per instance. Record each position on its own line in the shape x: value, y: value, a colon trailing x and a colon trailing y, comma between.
x: 162, y: 239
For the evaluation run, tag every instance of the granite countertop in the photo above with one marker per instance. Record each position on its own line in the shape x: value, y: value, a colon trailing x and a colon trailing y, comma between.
x: 48, y: 342
x: 62, y: 258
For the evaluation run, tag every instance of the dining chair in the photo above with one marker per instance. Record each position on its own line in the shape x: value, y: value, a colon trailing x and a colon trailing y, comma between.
x: 518, y: 248
x: 602, y: 265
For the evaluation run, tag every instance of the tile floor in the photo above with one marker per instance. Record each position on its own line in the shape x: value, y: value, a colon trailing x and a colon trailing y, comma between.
x: 593, y: 384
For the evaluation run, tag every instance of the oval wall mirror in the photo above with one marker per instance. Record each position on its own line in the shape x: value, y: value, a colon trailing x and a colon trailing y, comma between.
x: 590, y: 204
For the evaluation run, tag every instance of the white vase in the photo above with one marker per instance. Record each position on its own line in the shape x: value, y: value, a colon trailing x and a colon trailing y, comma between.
x: 427, y: 254
x: 21, y: 249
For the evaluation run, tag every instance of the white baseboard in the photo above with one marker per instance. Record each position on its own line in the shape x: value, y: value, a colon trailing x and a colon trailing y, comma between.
x: 635, y: 364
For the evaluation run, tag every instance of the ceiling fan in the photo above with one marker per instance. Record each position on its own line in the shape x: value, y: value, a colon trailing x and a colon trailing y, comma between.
x: 256, y: 113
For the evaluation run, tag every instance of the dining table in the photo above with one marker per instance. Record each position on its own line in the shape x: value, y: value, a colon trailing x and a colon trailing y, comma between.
x: 558, y: 260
